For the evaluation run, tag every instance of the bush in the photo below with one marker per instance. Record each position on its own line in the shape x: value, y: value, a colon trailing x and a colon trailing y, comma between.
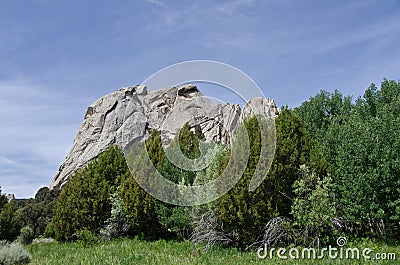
x: 87, y: 238
x: 117, y: 225
x: 11, y: 254
x: 26, y: 235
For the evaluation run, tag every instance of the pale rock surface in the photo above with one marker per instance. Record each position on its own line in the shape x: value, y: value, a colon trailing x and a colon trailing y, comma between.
x: 131, y: 113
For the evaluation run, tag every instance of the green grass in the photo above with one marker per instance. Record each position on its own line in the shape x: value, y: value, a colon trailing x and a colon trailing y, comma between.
x: 132, y: 251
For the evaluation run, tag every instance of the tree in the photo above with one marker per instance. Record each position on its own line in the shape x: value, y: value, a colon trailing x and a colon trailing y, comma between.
x: 117, y: 225
x: 84, y: 202
x: 3, y: 200
x: 26, y: 235
x: 313, y: 208
x: 322, y: 110
x: 207, y: 229
x: 176, y: 220
x: 38, y: 213
x: 9, y: 230
x: 367, y: 165
x: 247, y: 212
x: 139, y: 205
x: 360, y: 144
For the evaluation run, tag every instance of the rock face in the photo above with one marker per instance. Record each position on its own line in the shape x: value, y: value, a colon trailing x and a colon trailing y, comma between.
x: 131, y: 113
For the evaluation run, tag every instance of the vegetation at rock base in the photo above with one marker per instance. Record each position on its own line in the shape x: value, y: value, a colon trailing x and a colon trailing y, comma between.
x: 84, y: 203
x: 247, y: 212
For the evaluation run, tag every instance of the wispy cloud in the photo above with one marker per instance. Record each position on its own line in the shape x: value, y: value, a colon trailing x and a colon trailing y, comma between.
x: 371, y: 34
x: 156, y: 2
x: 232, y: 6
x: 36, y: 133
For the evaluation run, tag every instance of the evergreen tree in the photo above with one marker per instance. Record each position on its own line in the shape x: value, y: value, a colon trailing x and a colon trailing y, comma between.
x: 3, y: 200
x: 139, y: 205
x: 38, y: 213
x: 176, y: 220
x: 84, y: 202
x: 9, y: 229
x: 247, y: 212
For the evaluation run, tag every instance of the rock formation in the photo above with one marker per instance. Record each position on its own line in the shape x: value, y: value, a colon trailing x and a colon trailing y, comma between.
x: 130, y: 114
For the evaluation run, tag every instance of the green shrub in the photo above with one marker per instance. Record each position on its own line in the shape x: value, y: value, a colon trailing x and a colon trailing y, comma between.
x: 11, y: 254
x: 117, y: 225
x: 26, y: 235
x: 87, y: 238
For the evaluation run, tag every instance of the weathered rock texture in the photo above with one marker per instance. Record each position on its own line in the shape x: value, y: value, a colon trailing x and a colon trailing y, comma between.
x: 130, y: 114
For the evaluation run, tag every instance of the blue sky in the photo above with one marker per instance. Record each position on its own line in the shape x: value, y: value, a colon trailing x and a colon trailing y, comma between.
x: 57, y: 57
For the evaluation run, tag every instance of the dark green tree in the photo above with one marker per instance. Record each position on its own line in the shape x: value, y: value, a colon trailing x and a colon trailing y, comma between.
x: 84, y: 202
x: 9, y: 229
x: 139, y: 205
x: 38, y: 213
x: 247, y: 212
x: 3, y: 200
x: 175, y: 220
x: 189, y: 141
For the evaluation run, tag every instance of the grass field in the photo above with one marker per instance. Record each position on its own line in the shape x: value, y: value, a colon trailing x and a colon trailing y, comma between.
x: 131, y: 251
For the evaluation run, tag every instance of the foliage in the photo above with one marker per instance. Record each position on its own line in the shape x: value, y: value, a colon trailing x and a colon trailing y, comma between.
x: 37, y: 213
x: 190, y: 141
x: 3, y: 200
x: 174, y: 220
x: 11, y: 254
x: 154, y: 148
x: 26, y: 235
x: 117, y: 224
x: 242, y: 211
x: 87, y: 238
x: 361, y: 146
x: 9, y: 229
x: 84, y: 202
x: 313, y: 208
x: 247, y: 212
x: 322, y: 110
x: 140, y: 209
x: 207, y: 229
x: 139, y: 205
